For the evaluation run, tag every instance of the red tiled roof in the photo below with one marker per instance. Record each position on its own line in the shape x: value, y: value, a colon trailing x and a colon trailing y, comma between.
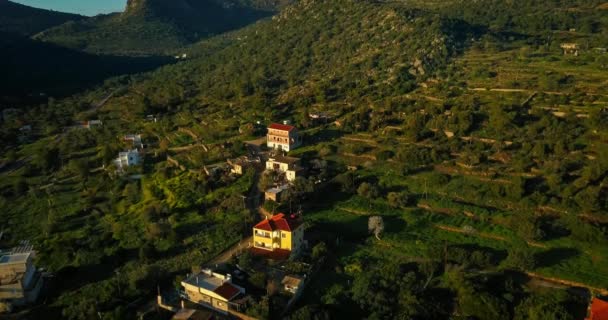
x: 227, y: 291
x: 599, y: 310
x: 282, y: 127
x: 278, y: 222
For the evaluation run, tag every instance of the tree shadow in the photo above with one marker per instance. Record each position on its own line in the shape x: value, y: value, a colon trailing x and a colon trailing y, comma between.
x: 323, y: 136
x: 552, y: 228
x: 555, y: 256
x: 394, y: 224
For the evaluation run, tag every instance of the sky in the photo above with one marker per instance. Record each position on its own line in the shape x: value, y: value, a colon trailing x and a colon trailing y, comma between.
x: 84, y: 7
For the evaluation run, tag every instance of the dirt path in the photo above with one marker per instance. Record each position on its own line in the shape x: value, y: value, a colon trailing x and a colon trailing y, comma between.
x: 568, y: 283
x: 230, y: 252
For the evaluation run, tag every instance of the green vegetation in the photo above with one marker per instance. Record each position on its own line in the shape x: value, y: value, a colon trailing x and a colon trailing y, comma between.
x: 463, y: 126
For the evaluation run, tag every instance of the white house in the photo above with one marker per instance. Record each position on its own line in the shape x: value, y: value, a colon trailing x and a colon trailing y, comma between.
x: 287, y: 165
x: 212, y: 290
x: 127, y: 159
x: 283, y: 137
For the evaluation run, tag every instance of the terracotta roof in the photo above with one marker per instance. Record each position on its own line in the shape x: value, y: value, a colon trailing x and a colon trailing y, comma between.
x: 282, y: 127
x: 278, y: 222
x: 599, y: 310
x: 227, y: 291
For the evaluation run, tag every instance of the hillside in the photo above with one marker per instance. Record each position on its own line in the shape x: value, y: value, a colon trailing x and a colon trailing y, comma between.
x: 457, y: 164
x: 30, y: 67
x: 24, y: 20
x: 156, y: 26
x: 317, y: 51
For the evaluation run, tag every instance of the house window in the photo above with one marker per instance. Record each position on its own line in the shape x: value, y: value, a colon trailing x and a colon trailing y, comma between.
x: 284, y: 235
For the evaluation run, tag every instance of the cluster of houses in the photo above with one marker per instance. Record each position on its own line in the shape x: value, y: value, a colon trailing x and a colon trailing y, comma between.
x: 279, y: 237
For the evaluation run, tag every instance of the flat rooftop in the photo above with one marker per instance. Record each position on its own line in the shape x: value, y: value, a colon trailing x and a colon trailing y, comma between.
x: 14, y: 258
x: 205, y: 281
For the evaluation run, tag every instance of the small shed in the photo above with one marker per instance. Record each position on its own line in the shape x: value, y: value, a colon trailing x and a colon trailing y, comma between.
x: 274, y: 194
x: 292, y: 284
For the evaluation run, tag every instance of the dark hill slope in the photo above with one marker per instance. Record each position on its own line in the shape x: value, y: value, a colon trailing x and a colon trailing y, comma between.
x: 314, y: 51
x: 155, y: 26
x: 24, y: 20
x: 30, y: 67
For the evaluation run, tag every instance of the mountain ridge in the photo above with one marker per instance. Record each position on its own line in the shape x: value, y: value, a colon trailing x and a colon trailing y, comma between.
x: 158, y: 26
x: 26, y: 20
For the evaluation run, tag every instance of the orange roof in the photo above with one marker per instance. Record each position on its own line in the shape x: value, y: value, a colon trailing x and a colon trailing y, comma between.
x: 282, y: 127
x: 599, y: 310
x: 279, y: 222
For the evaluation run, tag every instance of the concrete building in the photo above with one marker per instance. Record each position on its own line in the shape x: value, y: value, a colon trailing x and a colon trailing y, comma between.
x: 283, y: 137
x: 274, y: 194
x: 287, y: 165
x: 212, y: 290
x: 135, y: 139
x: 240, y: 165
x: 127, y: 159
x: 20, y: 282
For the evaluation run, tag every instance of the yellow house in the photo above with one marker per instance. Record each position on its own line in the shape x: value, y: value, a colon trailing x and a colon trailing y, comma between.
x: 279, y: 233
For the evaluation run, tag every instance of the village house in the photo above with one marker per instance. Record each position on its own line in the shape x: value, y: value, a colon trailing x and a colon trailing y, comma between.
x: 286, y: 165
x: 283, y: 137
x: 598, y: 310
x: 293, y: 284
x: 20, y: 282
x: 135, y: 139
x: 240, y: 165
x: 212, y: 290
x: 570, y: 48
x: 274, y: 194
x: 127, y: 159
x: 281, y: 233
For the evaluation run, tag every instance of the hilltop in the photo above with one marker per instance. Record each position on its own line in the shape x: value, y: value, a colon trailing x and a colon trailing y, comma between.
x: 157, y: 26
x: 24, y: 20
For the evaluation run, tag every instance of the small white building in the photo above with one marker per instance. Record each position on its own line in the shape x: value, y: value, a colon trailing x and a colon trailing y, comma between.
x: 287, y: 165
x: 135, y: 139
x: 127, y: 159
